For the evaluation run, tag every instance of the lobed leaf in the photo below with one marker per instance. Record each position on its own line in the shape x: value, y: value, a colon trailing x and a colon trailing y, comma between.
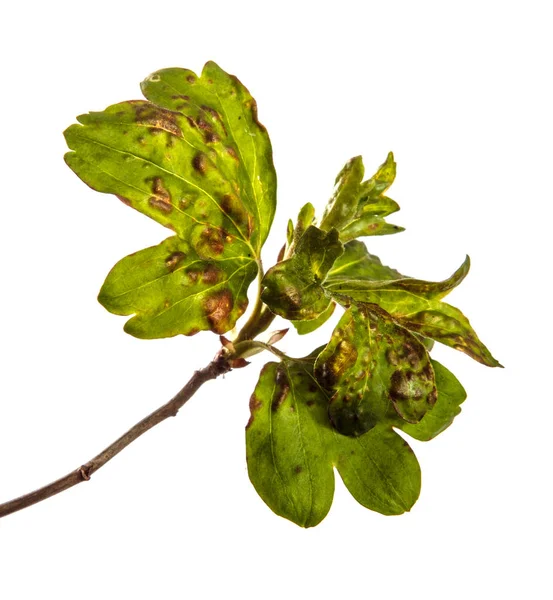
x: 293, y: 288
x: 195, y: 159
x: 357, y: 208
x: 417, y: 305
x: 173, y: 291
x: 291, y: 450
x: 374, y: 370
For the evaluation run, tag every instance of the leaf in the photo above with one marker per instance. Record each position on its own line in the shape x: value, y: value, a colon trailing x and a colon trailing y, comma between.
x: 173, y: 291
x: 374, y: 370
x: 380, y: 470
x: 291, y: 450
x: 416, y: 304
x: 292, y: 288
x: 286, y: 445
x: 341, y: 208
x: 451, y: 395
x: 306, y: 217
x: 304, y: 327
x: 357, y: 263
x: 198, y: 162
x: 357, y: 208
x: 225, y: 118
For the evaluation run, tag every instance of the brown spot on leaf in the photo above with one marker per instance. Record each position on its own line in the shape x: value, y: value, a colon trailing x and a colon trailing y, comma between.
x: 211, y: 275
x: 252, y: 105
x: 180, y: 97
x: 255, y: 405
x: 199, y: 162
x: 173, y: 261
x: 193, y: 275
x: 399, y: 388
x: 191, y: 79
x: 161, y: 198
x: 297, y: 469
x: 232, y: 153
x: 217, y: 308
x: 212, y: 240
x: 211, y: 138
x: 282, y: 389
x: 159, y: 119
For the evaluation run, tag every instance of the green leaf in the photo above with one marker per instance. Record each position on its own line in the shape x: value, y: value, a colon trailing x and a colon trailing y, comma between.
x: 357, y: 208
x: 292, y: 288
x: 173, y: 291
x: 287, y: 445
x: 196, y: 160
x: 379, y: 469
x: 304, y: 327
x: 375, y: 371
x: 225, y: 118
x: 357, y: 263
x: 417, y: 305
x: 306, y: 217
x: 451, y: 395
x: 291, y: 450
x: 341, y: 208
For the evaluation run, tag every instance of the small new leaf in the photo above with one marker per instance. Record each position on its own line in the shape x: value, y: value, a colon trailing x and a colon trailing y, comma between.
x: 357, y: 208
x: 293, y: 288
x: 195, y: 159
x: 291, y: 450
x: 374, y: 370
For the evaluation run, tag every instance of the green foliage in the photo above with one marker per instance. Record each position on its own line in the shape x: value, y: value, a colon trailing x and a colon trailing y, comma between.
x: 293, y: 287
x: 194, y: 157
x: 374, y: 369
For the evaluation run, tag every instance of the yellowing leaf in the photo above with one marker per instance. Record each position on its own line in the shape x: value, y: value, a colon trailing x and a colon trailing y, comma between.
x: 195, y: 159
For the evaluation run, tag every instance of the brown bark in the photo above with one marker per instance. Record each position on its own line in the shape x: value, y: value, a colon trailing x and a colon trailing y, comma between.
x: 218, y: 366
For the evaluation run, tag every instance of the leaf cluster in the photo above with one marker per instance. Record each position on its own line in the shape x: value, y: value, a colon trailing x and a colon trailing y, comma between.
x: 194, y: 157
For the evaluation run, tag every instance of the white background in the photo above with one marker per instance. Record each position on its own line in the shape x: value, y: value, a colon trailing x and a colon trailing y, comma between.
x: 460, y: 91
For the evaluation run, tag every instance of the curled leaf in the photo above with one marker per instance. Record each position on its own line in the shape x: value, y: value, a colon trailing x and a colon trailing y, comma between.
x: 374, y: 370
x: 293, y: 288
x: 417, y: 305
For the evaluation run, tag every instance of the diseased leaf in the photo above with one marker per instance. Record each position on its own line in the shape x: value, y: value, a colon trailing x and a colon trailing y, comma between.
x: 306, y: 217
x: 451, y: 395
x: 416, y: 304
x: 341, y: 208
x: 225, y: 118
x: 304, y: 327
x: 287, y: 445
x: 173, y: 291
x: 291, y: 450
x: 357, y: 263
x: 374, y: 370
x: 292, y: 288
x: 196, y: 160
x: 357, y: 208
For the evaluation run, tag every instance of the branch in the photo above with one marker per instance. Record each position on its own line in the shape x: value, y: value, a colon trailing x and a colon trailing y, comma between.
x: 218, y: 366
